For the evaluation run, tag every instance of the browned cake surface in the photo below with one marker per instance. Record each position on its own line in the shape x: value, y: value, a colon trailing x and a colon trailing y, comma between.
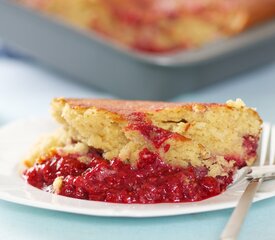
x: 126, y: 107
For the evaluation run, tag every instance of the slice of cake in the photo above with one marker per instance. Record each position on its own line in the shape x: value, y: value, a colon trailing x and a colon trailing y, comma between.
x: 144, y: 152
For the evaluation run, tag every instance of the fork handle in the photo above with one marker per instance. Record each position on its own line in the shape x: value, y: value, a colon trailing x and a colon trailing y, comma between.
x: 233, y: 226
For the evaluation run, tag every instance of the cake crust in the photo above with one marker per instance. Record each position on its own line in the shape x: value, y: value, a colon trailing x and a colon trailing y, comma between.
x: 127, y: 107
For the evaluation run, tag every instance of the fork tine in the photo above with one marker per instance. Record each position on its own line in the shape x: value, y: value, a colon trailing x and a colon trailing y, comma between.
x: 264, y: 143
x: 272, y: 147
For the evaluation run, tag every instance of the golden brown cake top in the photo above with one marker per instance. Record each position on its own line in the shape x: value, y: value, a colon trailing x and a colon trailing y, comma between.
x: 126, y: 107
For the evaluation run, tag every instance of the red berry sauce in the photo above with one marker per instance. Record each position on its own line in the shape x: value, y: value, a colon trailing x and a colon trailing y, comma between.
x: 156, y: 135
x: 250, y: 144
x: 151, y: 181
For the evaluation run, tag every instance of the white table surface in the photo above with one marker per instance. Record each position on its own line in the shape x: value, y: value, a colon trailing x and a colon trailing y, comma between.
x: 26, y: 90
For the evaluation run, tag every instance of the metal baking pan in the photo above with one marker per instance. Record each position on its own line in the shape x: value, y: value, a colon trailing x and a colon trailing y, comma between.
x: 86, y: 57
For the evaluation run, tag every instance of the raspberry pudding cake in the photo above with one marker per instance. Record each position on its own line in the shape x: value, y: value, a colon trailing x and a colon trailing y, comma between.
x: 143, y: 152
x: 160, y: 26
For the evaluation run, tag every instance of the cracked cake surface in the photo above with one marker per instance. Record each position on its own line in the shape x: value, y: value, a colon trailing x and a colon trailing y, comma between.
x: 210, y: 140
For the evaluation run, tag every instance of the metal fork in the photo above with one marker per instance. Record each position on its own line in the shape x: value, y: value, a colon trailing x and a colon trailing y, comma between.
x: 255, y: 177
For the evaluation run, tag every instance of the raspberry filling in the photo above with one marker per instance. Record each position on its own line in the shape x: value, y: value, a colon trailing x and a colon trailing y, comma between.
x: 156, y: 135
x: 250, y: 145
x: 150, y: 181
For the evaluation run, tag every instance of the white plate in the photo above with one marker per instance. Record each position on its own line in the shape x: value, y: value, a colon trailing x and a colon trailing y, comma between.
x: 18, y: 137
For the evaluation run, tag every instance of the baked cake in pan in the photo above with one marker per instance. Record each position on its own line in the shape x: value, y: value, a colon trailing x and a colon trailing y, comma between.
x: 160, y: 25
x: 144, y: 152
